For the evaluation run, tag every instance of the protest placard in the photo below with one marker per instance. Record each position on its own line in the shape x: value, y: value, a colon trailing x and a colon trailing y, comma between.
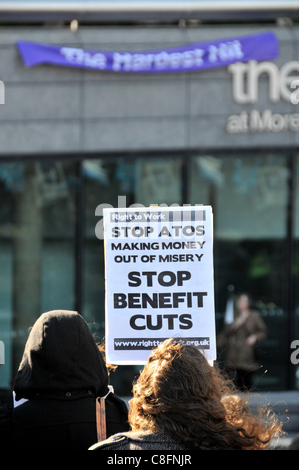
x: 159, y: 280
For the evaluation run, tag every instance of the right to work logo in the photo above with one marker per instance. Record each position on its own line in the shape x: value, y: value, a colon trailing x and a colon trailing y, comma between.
x: 2, y: 353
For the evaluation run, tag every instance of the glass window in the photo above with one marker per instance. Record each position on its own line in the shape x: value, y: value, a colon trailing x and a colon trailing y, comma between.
x: 249, y: 195
x: 120, y: 183
x: 37, y: 250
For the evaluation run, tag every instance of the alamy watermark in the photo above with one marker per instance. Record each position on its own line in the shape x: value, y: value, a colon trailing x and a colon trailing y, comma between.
x: 2, y: 353
x: 295, y: 354
x: 2, y: 92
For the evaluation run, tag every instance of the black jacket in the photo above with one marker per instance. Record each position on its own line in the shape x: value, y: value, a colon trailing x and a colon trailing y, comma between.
x: 61, y: 374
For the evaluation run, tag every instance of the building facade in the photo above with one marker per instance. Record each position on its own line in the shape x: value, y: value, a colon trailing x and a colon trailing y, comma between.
x: 74, y: 140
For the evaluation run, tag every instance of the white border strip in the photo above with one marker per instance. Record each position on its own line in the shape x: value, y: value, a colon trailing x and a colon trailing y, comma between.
x: 146, y: 6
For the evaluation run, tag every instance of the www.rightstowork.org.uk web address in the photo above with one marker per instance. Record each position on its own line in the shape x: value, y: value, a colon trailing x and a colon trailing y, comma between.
x: 123, y: 344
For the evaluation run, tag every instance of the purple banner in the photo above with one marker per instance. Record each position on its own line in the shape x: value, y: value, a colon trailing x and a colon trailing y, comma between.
x: 196, y: 56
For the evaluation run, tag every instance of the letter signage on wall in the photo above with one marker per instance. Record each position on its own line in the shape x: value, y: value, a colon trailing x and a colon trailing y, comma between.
x: 245, y: 91
x: 159, y: 280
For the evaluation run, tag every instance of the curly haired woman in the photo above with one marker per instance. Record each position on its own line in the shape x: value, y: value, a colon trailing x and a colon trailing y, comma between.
x: 180, y: 402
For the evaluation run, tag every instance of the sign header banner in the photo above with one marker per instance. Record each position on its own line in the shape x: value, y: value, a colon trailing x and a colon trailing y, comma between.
x: 190, y: 57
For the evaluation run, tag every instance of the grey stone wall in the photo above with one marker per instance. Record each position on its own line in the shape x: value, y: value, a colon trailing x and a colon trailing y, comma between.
x: 52, y: 109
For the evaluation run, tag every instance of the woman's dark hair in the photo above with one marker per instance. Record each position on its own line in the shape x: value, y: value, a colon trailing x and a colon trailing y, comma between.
x: 179, y: 392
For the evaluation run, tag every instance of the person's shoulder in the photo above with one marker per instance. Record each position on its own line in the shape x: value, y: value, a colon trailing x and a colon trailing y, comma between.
x: 120, y: 441
x: 130, y: 440
x: 140, y: 440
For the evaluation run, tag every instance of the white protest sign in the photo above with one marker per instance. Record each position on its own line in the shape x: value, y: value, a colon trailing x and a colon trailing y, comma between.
x: 159, y: 280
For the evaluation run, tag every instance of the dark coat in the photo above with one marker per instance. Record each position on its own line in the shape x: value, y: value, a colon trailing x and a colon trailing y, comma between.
x: 61, y: 374
x: 239, y: 354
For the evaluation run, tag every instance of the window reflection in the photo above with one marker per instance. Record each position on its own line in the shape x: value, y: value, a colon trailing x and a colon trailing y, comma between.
x: 249, y: 196
x: 37, y: 221
x: 38, y: 218
x: 144, y: 181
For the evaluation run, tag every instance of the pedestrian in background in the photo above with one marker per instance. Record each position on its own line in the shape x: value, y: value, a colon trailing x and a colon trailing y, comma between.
x: 240, y: 339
